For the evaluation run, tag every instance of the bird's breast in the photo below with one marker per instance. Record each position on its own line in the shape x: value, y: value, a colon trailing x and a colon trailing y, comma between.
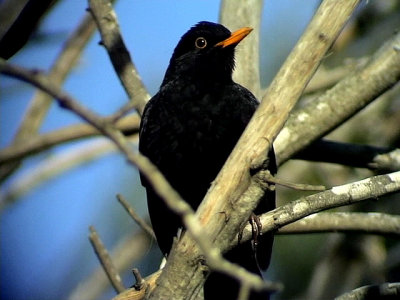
x: 189, y: 133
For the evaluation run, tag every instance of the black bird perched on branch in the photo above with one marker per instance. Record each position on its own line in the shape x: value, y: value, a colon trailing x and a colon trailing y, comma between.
x: 188, y: 130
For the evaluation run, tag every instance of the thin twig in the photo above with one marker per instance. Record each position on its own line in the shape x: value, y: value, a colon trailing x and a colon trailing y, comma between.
x: 139, y: 279
x: 102, y: 124
x: 115, y: 117
x: 51, y: 167
x: 268, y: 177
x: 139, y: 294
x: 142, y: 223
x: 105, y: 260
x: 127, y: 252
x: 38, y: 143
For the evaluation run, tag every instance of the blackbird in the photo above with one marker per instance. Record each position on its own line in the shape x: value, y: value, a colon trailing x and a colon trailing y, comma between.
x: 188, y: 130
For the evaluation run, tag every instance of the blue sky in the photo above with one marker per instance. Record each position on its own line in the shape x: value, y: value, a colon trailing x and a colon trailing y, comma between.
x: 44, y: 246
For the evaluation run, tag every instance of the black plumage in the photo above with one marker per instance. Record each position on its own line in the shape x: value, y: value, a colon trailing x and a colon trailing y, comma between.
x: 188, y: 130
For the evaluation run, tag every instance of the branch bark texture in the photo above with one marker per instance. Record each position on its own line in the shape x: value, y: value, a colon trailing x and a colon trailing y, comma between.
x: 341, y: 102
x: 370, y: 188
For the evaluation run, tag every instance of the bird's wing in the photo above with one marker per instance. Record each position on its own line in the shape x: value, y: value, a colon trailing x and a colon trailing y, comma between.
x: 147, y: 129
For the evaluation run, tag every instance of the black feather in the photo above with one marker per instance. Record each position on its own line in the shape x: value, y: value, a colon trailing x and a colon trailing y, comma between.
x: 188, y: 130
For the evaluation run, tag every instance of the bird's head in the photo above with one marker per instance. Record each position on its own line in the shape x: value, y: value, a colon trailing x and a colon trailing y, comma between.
x: 205, y: 52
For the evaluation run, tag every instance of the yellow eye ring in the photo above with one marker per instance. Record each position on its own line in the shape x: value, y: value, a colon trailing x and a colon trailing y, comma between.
x: 200, y: 43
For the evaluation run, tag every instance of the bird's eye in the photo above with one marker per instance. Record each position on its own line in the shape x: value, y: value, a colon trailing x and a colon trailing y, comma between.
x: 200, y: 43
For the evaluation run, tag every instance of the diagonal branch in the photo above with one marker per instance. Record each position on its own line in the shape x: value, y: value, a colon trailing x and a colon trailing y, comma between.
x: 35, y: 144
x: 127, y: 252
x: 233, y: 186
x: 105, y: 260
x: 142, y: 223
x: 51, y: 167
x: 172, y: 198
x: 104, y: 125
x: 40, y: 103
x: 341, y: 102
x: 107, y: 22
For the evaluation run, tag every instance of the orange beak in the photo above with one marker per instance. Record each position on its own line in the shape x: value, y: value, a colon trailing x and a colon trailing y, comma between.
x: 235, y: 37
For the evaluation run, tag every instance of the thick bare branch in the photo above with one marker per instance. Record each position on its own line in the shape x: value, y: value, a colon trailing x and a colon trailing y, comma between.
x: 338, y: 104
